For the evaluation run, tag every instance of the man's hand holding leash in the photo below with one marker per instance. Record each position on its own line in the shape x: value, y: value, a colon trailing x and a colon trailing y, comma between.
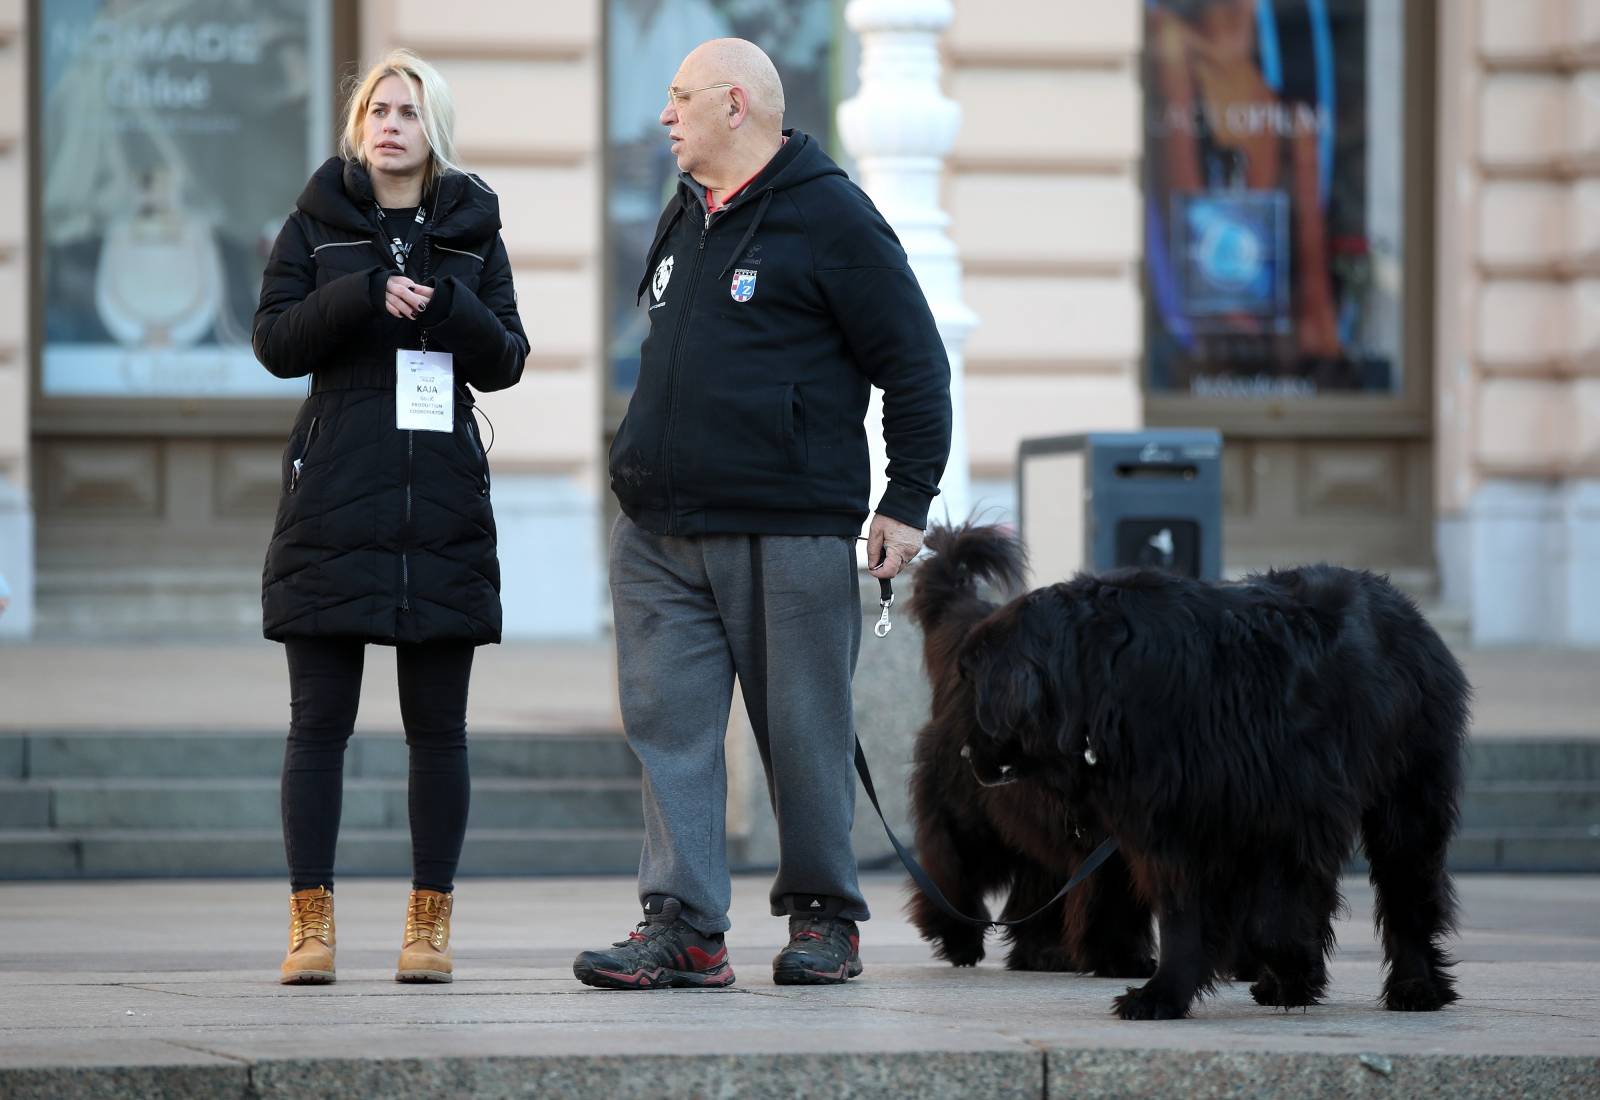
x: 890, y: 546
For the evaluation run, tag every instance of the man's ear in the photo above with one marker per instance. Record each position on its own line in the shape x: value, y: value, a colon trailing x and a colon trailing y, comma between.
x: 738, y: 107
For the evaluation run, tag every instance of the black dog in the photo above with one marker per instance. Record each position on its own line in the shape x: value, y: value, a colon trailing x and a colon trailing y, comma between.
x: 977, y: 837
x: 1233, y: 738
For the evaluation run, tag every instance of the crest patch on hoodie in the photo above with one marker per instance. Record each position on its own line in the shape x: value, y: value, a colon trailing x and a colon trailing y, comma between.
x: 744, y: 284
x: 663, y: 275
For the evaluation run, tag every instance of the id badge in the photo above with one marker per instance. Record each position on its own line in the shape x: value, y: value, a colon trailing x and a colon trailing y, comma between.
x: 424, y: 391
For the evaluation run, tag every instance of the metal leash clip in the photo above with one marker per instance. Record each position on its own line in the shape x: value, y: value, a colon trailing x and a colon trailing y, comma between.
x: 885, y: 601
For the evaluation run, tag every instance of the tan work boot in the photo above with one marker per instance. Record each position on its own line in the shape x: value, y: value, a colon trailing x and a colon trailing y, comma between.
x: 310, y: 958
x: 425, y: 951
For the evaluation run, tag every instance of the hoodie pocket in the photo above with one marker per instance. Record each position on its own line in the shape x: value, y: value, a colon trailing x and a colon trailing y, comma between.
x: 792, y: 427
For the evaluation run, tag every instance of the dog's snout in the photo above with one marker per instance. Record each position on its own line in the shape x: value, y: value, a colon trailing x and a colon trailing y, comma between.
x: 966, y: 752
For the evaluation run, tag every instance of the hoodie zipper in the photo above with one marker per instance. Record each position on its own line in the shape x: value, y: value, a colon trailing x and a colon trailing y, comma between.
x: 672, y: 379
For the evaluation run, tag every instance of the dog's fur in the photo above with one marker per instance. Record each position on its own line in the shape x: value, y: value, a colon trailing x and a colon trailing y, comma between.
x: 1234, y: 739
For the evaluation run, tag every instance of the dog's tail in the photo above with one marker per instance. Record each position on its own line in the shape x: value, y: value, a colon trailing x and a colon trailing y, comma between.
x: 946, y: 588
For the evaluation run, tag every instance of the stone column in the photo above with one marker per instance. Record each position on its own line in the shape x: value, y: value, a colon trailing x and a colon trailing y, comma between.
x: 899, y: 127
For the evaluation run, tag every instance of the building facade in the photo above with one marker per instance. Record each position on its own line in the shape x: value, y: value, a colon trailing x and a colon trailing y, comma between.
x: 1358, y: 236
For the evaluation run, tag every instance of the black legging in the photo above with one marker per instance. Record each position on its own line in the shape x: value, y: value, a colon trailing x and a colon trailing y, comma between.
x: 325, y: 690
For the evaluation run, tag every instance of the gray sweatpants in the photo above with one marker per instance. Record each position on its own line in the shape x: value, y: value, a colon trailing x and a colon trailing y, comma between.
x: 783, y: 613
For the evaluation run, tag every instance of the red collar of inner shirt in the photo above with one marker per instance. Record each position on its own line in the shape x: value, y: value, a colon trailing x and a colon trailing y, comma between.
x: 712, y: 205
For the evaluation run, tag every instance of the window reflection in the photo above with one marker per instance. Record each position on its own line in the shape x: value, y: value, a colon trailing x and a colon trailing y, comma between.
x: 1273, y: 196
x: 646, y: 39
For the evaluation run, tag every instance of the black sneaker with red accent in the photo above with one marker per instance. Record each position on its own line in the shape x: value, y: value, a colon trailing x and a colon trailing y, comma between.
x: 821, y: 951
x: 665, y: 951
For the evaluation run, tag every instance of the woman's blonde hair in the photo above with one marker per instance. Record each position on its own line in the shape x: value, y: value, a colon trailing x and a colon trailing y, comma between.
x: 434, y: 107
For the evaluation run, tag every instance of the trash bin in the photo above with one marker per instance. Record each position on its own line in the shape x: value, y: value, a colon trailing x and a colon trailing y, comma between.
x: 1103, y: 500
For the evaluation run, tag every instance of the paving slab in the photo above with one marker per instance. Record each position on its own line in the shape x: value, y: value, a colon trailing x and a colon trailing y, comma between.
x: 138, y: 988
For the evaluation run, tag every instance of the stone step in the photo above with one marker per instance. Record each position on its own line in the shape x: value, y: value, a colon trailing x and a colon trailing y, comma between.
x: 71, y: 804
x: 601, y: 753
x: 1527, y: 850
x: 259, y: 754
x: 1531, y: 805
x: 1495, y: 759
x: 137, y: 602
x: 159, y: 853
x: 1453, y: 623
x: 556, y: 804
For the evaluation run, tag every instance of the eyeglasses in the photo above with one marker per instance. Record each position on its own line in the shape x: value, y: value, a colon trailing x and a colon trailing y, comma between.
x: 679, y: 97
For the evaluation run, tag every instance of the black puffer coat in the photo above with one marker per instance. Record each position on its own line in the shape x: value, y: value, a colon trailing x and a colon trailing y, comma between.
x: 381, y: 534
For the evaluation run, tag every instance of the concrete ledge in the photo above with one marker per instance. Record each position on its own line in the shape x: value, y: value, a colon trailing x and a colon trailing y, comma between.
x: 1090, y: 1074
x: 1005, y: 1075
x: 220, y: 1079
x: 1017, y: 1072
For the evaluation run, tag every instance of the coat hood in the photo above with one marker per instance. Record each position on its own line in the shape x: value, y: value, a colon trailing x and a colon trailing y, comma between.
x: 339, y: 193
x: 799, y: 160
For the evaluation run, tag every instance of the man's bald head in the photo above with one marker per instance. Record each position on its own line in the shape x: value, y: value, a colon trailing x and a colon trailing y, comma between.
x: 724, y: 116
x: 746, y: 64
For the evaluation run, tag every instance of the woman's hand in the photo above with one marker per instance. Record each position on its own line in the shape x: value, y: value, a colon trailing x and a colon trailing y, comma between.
x: 404, y: 298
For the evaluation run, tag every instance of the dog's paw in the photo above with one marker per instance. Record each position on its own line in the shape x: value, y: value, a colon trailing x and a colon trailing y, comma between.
x: 1419, y: 994
x: 960, y: 952
x: 1147, y: 1004
x: 1045, y: 959
x: 1270, y: 992
x: 1265, y: 990
x: 1131, y: 966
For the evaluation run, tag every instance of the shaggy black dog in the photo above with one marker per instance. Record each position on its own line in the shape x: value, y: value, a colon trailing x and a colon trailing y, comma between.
x: 1023, y: 837
x: 1235, y: 739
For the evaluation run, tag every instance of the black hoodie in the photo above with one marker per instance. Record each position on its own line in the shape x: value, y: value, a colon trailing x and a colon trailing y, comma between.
x: 770, y: 321
x: 382, y: 534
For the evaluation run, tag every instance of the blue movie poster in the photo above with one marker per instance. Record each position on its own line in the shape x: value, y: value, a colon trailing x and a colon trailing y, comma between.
x: 1234, y: 249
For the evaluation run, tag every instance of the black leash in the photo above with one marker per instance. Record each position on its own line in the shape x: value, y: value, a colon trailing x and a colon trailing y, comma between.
x: 885, y: 601
x: 1108, y: 846
x: 926, y: 884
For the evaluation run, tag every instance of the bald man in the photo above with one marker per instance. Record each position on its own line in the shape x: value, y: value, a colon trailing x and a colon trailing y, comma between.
x: 777, y: 297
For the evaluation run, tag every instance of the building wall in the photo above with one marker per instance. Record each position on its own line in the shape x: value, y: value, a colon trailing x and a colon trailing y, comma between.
x: 1518, y: 411
x: 16, y: 514
x: 528, y: 93
x: 1043, y: 193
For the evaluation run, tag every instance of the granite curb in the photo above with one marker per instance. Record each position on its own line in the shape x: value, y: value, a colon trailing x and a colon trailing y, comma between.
x: 1018, y: 1072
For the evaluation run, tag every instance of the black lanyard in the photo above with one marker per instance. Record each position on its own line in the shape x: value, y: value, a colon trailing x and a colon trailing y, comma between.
x: 400, y: 247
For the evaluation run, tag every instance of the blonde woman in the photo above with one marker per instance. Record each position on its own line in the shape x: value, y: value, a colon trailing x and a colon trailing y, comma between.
x: 389, y: 286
